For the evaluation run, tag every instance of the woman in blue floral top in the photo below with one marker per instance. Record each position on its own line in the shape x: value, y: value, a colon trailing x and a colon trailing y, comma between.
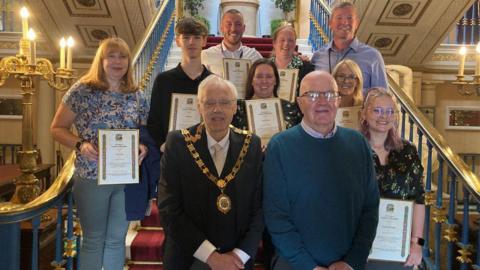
x: 105, y: 98
x: 398, y: 167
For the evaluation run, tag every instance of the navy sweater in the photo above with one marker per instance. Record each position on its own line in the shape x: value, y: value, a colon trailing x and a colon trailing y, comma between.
x: 320, y: 198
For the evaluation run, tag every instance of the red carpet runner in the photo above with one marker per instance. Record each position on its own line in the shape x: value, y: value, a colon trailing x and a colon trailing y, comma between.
x: 146, y: 248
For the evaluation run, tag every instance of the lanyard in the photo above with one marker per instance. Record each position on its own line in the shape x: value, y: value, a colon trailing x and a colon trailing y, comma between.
x: 343, y: 57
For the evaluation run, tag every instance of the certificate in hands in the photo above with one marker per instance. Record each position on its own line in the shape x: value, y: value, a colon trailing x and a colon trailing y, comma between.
x: 118, y: 156
x: 288, y: 84
x: 265, y: 117
x: 236, y: 71
x: 183, y: 111
x: 348, y: 117
x: 392, y: 242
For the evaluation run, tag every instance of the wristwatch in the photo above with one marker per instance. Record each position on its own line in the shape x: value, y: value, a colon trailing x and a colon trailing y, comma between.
x: 78, y: 145
x: 418, y: 240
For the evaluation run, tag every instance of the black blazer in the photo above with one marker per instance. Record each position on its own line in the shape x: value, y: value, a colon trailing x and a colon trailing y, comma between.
x: 187, y: 200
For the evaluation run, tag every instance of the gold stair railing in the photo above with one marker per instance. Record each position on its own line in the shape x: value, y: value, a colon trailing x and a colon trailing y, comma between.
x: 447, y: 229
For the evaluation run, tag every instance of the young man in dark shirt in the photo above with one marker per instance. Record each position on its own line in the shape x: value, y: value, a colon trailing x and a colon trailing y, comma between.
x: 191, y: 37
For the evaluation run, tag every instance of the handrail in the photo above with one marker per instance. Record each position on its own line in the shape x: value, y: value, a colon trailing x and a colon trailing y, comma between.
x: 319, y: 15
x: 151, y: 26
x: 10, y: 212
x: 436, y: 139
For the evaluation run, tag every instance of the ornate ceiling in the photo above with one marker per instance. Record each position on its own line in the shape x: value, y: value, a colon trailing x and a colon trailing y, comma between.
x: 407, y: 32
x: 88, y: 21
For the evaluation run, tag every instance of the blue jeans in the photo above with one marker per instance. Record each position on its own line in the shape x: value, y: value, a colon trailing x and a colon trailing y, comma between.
x: 104, y: 224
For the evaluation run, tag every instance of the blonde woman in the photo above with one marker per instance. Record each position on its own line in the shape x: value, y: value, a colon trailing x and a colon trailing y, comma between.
x: 105, y: 98
x: 349, y: 79
x: 398, y: 168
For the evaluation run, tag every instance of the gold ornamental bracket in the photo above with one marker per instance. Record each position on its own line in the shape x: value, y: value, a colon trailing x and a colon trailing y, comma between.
x: 451, y: 232
x: 465, y: 252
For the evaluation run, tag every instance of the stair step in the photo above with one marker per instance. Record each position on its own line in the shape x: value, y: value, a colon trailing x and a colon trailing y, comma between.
x: 145, y: 267
x: 148, y: 246
x: 153, y: 220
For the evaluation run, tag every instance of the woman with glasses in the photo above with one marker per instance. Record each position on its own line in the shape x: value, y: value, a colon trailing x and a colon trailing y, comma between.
x: 283, y: 55
x: 349, y: 79
x: 399, y: 171
x: 348, y: 76
x: 262, y: 82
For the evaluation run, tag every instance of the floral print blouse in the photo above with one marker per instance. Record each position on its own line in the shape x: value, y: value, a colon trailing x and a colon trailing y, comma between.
x: 402, y: 177
x: 98, y: 109
x: 291, y: 114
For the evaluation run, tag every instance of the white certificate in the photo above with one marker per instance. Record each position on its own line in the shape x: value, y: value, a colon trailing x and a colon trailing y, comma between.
x: 348, y: 117
x: 118, y: 156
x: 183, y: 112
x: 392, y: 242
x: 236, y: 71
x: 287, y: 89
x: 265, y: 117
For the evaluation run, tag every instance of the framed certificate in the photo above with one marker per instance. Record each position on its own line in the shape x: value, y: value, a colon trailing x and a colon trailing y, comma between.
x: 118, y: 156
x: 265, y: 117
x: 348, y: 117
x: 287, y: 89
x: 236, y: 71
x: 183, y: 111
x: 392, y: 242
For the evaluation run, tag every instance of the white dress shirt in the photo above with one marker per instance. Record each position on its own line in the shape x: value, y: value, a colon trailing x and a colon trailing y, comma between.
x: 212, y: 57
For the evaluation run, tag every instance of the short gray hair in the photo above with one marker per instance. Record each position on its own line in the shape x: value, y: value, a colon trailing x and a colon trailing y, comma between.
x: 215, y: 81
x: 343, y: 4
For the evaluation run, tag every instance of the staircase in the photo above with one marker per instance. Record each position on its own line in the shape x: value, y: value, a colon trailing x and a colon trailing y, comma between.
x: 144, y: 243
x: 262, y: 45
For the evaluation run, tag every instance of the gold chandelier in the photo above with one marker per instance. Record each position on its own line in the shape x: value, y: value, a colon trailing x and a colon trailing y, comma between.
x: 468, y: 87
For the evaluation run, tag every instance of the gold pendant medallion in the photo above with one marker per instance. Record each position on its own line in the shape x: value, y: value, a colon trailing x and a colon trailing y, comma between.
x: 224, y: 204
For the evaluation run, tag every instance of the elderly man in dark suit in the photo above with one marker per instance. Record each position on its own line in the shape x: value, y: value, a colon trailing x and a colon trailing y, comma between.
x: 210, y: 188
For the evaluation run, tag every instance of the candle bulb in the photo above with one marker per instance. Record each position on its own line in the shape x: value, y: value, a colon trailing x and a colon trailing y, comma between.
x: 63, y: 43
x: 33, y: 46
x: 463, y: 54
x: 477, y: 60
x: 69, y: 52
x: 24, y: 14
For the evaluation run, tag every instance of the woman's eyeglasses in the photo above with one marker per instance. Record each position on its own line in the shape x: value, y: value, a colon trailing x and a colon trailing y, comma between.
x: 343, y: 77
x: 388, y: 112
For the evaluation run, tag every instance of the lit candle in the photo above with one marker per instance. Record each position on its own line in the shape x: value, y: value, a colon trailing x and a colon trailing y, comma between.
x: 463, y: 54
x: 477, y: 60
x: 24, y: 14
x: 33, y: 46
x: 63, y: 43
x: 69, y: 52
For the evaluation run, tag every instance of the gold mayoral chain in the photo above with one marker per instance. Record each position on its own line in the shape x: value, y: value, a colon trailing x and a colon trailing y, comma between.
x: 224, y: 204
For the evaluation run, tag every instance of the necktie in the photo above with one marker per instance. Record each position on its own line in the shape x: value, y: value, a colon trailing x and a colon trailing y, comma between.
x: 218, y: 158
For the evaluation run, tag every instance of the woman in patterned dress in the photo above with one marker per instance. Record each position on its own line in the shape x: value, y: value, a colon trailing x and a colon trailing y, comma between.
x: 284, y: 42
x: 398, y: 167
x: 262, y: 82
x: 105, y: 98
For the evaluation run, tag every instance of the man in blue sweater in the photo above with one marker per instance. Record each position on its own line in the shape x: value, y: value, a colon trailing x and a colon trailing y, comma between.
x: 320, y: 195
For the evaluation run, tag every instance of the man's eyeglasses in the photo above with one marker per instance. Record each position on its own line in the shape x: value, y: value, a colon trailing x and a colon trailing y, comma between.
x: 222, y: 103
x: 388, y: 112
x: 315, y: 95
x: 343, y: 77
